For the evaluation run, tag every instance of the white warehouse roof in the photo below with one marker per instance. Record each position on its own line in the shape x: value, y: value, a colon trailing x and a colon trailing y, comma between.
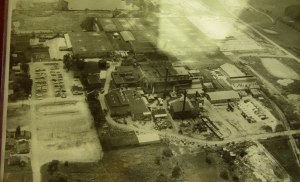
x: 223, y: 95
x: 68, y: 41
x: 232, y: 71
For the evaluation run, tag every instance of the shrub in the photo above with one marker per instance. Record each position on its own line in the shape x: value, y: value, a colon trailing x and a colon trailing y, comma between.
x: 176, y: 172
x: 208, y: 160
x: 224, y: 175
x: 167, y: 152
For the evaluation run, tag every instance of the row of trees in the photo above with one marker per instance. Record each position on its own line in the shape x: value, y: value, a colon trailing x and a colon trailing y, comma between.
x: 95, y: 108
x: 22, y: 83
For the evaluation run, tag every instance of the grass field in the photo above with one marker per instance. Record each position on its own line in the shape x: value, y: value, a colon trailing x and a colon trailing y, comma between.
x: 18, y: 116
x: 287, y: 37
x: 282, y: 151
x: 62, y: 21
x: 276, y: 7
x: 139, y: 164
x: 18, y: 176
x: 17, y: 173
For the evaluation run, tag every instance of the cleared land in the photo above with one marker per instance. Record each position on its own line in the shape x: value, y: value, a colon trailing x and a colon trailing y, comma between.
x: 257, y: 64
x: 278, y: 69
x: 65, y: 132
x: 144, y: 163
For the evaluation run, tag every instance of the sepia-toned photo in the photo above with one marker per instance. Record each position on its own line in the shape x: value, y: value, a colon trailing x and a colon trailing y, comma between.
x: 152, y: 91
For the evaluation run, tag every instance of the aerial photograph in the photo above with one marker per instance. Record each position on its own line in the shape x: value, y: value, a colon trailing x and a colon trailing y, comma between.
x: 152, y: 91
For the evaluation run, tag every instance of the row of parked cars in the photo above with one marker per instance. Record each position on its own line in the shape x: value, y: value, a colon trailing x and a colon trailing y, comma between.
x: 77, y: 88
x: 41, y: 86
x: 57, y: 82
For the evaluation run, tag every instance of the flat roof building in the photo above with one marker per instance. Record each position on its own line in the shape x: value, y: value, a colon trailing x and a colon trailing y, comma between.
x: 117, y: 102
x: 127, y: 102
x: 127, y: 36
x: 90, y: 44
x: 126, y: 76
x: 232, y: 71
x: 91, y: 67
x: 155, y: 73
x: 223, y: 96
x: 179, y: 110
x: 68, y: 41
x: 107, y: 24
x: 138, y: 108
x: 93, y: 82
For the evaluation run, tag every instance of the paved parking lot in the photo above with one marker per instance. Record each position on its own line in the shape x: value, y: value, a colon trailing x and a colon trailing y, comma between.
x: 40, y: 85
x: 51, y: 80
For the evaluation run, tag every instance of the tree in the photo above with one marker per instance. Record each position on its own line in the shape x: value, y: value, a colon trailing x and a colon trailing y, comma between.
x: 27, y: 85
x: 279, y: 128
x: 176, y: 171
x: 88, y: 24
x: 157, y: 160
x: 116, y: 13
x: 25, y: 67
x: 78, y: 62
x: 67, y: 60
x: 18, y: 131
x: 167, y: 152
x: 58, y: 177
x: 224, y: 175
x: 162, y: 178
x: 267, y: 128
x: 66, y: 163
x: 208, y: 160
x: 243, y: 153
x: 22, y: 84
x: 53, y: 166
x: 235, y: 178
x: 62, y: 5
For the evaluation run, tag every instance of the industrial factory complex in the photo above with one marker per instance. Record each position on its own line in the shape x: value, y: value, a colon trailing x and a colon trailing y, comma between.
x: 151, y: 91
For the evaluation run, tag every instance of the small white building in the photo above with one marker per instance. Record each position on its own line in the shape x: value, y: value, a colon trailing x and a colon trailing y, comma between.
x: 148, y: 138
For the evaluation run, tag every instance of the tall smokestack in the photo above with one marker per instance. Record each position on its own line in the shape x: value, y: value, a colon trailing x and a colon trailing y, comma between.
x: 184, y: 100
x: 166, y: 79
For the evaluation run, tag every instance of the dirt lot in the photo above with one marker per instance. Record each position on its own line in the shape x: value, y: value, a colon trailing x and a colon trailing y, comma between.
x: 278, y: 69
x: 65, y: 131
x: 54, y: 45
